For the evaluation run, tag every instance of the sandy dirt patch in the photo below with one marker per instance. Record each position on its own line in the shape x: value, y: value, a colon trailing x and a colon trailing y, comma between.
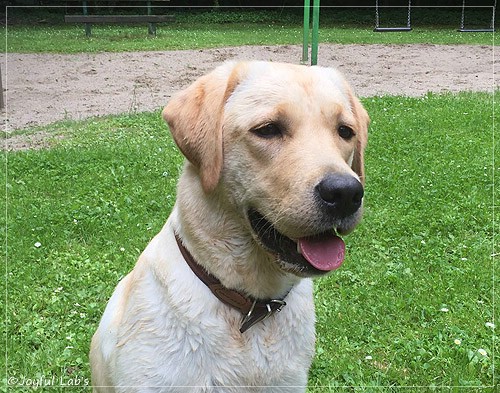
x: 43, y: 88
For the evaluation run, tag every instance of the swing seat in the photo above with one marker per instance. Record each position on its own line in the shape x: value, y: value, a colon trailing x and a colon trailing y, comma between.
x: 387, y: 29
x: 476, y: 30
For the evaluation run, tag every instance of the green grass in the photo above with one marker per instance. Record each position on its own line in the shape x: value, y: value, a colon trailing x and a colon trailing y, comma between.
x: 216, y: 29
x: 92, y: 202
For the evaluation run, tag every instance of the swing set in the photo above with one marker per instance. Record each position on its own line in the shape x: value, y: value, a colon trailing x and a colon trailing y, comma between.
x: 386, y: 29
x: 378, y: 27
x: 491, y: 29
x: 462, y: 28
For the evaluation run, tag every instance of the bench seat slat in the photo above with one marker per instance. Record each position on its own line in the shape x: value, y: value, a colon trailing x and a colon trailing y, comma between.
x: 118, y: 18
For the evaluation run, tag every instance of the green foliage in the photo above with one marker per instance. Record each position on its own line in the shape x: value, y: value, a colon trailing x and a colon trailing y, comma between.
x: 412, y: 305
x: 234, y: 16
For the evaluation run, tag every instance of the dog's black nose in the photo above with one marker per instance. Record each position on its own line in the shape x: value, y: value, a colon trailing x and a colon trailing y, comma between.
x: 340, y: 194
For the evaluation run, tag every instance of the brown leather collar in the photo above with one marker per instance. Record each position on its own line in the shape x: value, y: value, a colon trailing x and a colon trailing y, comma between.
x: 253, y: 310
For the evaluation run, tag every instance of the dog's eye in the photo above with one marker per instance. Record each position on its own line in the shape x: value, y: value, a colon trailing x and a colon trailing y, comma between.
x: 270, y: 130
x: 345, y: 132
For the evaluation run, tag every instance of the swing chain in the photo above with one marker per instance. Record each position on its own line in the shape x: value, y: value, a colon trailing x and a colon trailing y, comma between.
x: 493, y: 17
x: 462, y: 21
x: 409, y: 14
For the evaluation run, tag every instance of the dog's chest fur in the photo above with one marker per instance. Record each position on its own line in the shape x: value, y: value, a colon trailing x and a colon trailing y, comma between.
x: 195, y: 345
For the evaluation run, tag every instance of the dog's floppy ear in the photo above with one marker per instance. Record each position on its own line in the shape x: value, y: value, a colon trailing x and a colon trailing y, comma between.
x: 363, y: 120
x: 195, y: 117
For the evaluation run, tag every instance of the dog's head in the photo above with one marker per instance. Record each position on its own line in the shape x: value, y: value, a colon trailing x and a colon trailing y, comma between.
x: 285, y: 144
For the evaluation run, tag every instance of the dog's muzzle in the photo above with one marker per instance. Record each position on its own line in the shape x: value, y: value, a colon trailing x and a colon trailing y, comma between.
x: 338, y: 207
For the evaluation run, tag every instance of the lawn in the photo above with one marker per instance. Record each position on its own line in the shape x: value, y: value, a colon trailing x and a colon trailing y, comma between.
x: 45, y: 32
x: 412, y: 306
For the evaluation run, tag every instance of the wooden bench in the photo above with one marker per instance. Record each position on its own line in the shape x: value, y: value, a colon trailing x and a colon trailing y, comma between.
x: 90, y: 19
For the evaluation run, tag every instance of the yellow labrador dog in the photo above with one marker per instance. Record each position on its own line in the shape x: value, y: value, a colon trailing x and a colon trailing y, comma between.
x: 221, y: 300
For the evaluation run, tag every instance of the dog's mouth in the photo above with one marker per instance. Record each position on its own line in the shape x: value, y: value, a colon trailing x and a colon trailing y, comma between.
x: 306, y: 256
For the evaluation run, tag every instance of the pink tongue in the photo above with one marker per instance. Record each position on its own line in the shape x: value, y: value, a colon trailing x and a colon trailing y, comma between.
x: 325, y: 252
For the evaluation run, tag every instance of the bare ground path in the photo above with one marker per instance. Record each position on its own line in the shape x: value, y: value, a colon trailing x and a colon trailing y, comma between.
x: 43, y: 88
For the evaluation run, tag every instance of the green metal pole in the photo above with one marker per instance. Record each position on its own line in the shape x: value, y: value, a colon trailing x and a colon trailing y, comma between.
x: 305, y: 40
x: 315, y: 33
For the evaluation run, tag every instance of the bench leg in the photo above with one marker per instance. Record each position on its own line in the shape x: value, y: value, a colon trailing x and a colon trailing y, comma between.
x: 88, y: 29
x: 152, y: 29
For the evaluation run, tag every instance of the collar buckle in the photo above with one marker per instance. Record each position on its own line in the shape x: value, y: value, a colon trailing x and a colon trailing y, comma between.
x: 260, y: 311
